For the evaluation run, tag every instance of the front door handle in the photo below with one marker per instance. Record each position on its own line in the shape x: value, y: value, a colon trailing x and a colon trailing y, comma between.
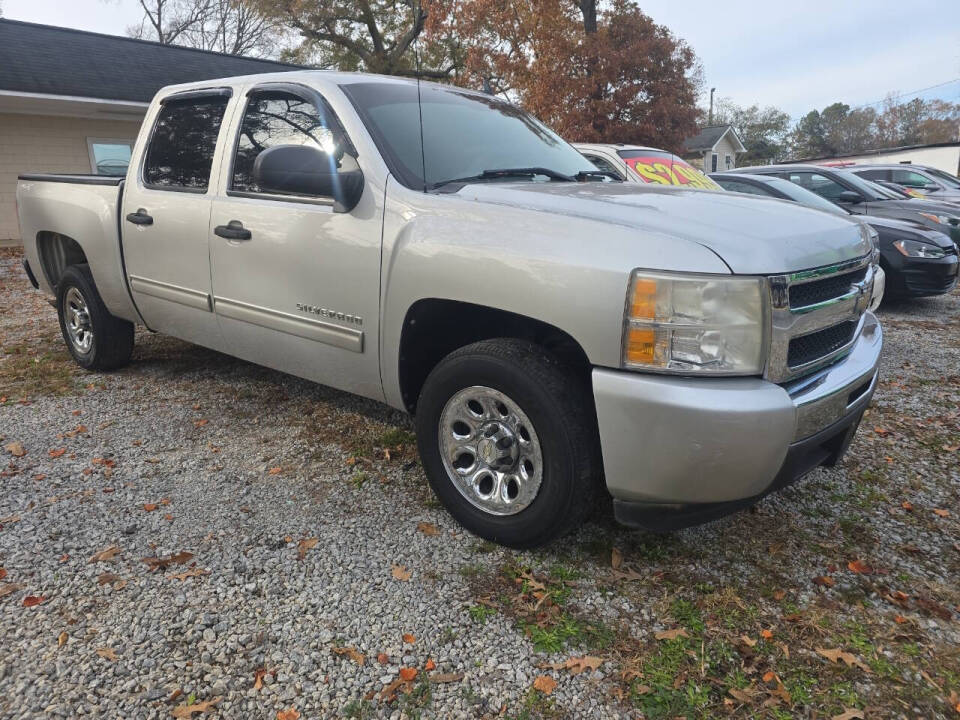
x: 233, y: 230
x: 140, y: 217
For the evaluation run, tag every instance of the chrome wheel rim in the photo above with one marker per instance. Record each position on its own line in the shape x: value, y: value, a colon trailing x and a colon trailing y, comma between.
x: 77, y: 321
x: 490, y: 450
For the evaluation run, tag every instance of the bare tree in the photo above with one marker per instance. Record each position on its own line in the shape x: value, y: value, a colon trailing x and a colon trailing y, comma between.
x: 234, y: 27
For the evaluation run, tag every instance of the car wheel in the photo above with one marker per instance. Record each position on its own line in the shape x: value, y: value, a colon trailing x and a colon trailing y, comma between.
x: 508, y: 439
x: 96, y: 339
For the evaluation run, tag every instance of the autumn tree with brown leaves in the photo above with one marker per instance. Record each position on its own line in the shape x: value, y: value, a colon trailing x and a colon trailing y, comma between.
x: 596, y: 71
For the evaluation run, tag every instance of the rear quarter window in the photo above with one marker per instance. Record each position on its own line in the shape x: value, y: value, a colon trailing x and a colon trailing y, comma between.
x: 184, y: 139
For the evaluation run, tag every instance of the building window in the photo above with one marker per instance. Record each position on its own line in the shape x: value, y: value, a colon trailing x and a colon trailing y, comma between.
x: 713, y: 163
x: 109, y: 157
x: 728, y: 161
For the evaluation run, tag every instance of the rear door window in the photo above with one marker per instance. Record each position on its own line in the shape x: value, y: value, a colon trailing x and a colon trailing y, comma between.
x: 742, y: 187
x: 879, y: 174
x: 820, y: 184
x: 911, y: 179
x: 184, y: 139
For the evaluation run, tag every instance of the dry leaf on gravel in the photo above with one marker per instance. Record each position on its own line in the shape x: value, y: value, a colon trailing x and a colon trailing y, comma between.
x: 304, y: 545
x: 743, y: 696
x: 428, y: 528
x: 671, y: 634
x: 288, y: 714
x: 407, y: 674
x: 836, y: 655
x: 3, y: 573
x: 429, y: 665
x: 34, y: 600
x: 401, y: 573
x: 275, y: 471
x: 859, y: 567
x: 62, y: 639
x: 545, y: 684
x: 824, y: 580
x: 15, y: 449
x: 8, y: 588
x: 56, y: 452
x: 849, y: 714
x: 383, y: 659
x: 352, y: 653
x: 105, y: 554
x: 107, y: 653
x: 576, y: 665
x: 446, y: 677
x: 149, y: 507
x: 747, y: 641
x: 616, y: 559
x: 408, y: 638
x: 159, y: 563
x: 941, y: 512
x: 107, y: 578
x: 188, y: 711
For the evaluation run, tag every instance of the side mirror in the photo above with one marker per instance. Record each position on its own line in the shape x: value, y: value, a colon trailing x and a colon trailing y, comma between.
x: 849, y: 197
x: 307, y: 170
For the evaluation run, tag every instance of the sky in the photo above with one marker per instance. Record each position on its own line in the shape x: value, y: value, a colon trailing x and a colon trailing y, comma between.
x: 794, y: 55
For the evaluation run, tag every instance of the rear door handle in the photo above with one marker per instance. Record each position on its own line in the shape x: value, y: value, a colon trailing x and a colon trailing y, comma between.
x: 140, y: 217
x: 233, y: 230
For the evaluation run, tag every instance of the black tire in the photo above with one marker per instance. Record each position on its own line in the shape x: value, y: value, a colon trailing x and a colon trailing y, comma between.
x: 560, y: 408
x: 111, y: 338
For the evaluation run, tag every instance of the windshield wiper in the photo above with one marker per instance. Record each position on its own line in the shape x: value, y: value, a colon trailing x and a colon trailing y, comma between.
x: 585, y: 174
x: 506, y: 173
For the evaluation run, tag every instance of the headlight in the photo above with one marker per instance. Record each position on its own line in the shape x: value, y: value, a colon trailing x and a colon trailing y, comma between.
x: 694, y: 324
x: 874, y: 238
x: 915, y: 248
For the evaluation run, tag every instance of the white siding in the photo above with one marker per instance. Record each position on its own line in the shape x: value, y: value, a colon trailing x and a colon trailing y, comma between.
x: 942, y: 158
x: 45, y: 143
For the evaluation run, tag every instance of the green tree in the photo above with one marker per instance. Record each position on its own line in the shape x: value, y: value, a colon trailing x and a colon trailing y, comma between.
x: 763, y: 131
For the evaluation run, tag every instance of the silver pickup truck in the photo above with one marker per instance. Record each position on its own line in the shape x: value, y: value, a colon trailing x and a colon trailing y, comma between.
x: 552, y: 330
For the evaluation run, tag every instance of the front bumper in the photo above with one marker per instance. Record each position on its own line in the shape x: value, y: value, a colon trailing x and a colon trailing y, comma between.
x: 919, y: 277
x: 679, y: 446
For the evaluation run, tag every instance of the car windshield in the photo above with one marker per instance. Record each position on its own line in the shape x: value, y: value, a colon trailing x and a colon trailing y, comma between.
x: 660, y: 167
x: 464, y: 135
x: 871, y: 191
x: 804, y: 196
x: 885, y: 193
x: 946, y: 178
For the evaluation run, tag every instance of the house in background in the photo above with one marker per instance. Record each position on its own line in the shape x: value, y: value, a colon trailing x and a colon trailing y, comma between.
x: 944, y: 156
x: 713, y: 149
x: 72, y: 101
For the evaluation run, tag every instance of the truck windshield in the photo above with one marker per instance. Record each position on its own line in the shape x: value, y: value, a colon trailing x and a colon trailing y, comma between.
x: 465, y: 135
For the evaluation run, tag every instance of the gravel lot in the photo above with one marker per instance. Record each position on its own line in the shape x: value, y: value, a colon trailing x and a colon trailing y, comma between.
x: 197, y: 532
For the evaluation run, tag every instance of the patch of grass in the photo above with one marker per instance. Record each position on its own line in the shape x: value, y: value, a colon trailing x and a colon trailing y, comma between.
x: 358, y: 479
x: 470, y: 570
x: 412, y: 703
x: 569, y: 630
x: 480, y: 613
x: 397, y: 436
x: 31, y: 371
x: 359, y: 710
x: 537, y: 706
x: 664, y: 696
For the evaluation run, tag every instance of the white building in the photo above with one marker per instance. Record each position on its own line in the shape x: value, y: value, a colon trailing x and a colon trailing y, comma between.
x: 943, y: 156
x: 714, y: 148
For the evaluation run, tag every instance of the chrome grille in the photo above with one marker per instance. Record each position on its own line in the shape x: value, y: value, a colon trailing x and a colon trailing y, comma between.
x: 816, y: 316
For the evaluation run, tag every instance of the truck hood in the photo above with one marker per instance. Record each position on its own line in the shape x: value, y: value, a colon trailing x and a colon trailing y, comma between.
x: 753, y: 236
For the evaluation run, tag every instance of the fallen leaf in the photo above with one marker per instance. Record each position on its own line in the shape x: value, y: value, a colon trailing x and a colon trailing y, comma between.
x: 881, y: 431
x: 352, y: 653
x: 849, y: 714
x: 408, y: 674
x: 671, y: 634
x: 950, y: 448
x: 824, y: 580
x: 107, y: 578
x: 34, y: 600
x: 401, y: 573
x: 836, y: 655
x: 429, y: 665
x: 3, y: 573
x: 275, y: 470
x: 747, y: 641
x: 149, y: 507
x: 859, y: 567
x: 900, y: 620
x: 304, y: 545
x: 105, y: 555
x: 200, y: 423
x: 545, y: 684
x: 941, y: 512
x: 62, y: 639
x: 446, y: 677
x: 906, y: 505
x: 779, y: 595
x: 616, y: 559
x: 8, y: 588
x: 15, y: 449
x: 192, y: 572
x: 107, y: 653
x: 408, y: 638
x: 188, y: 711
x: 428, y: 528
x: 288, y: 714
x: 742, y: 696
x: 577, y: 665
x: 383, y: 659
x: 766, y: 634
x: 158, y: 563
x: 56, y: 453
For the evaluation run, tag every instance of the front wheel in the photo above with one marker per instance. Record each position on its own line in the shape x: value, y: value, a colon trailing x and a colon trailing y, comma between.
x: 96, y: 339
x: 508, y: 441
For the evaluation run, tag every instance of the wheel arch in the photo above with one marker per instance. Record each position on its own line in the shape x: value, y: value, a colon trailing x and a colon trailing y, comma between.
x: 58, y: 252
x: 435, y: 327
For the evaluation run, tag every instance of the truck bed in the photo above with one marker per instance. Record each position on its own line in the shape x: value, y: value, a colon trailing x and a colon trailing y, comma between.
x: 77, y: 179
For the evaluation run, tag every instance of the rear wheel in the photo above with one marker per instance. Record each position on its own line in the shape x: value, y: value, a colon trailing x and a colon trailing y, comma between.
x: 96, y: 339
x: 508, y: 442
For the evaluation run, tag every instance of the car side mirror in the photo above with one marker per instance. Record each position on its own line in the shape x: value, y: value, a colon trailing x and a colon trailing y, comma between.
x: 849, y: 197
x: 309, y: 171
